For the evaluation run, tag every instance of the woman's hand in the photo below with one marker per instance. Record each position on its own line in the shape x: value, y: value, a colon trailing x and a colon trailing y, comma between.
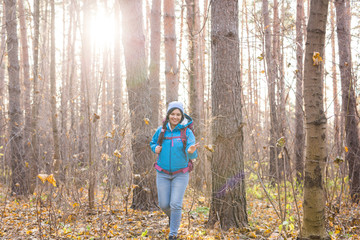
x: 158, y: 149
x: 193, y: 148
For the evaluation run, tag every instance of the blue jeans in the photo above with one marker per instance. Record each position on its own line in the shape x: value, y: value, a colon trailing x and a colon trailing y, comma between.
x: 171, y: 190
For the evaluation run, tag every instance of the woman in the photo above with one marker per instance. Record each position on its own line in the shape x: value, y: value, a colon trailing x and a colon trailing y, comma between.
x: 172, y: 175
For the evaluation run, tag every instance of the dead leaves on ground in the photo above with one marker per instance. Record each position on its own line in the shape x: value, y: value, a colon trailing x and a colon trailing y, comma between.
x: 69, y: 219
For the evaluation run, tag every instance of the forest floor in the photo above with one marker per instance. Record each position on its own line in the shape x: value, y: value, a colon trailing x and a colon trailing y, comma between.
x: 44, y: 217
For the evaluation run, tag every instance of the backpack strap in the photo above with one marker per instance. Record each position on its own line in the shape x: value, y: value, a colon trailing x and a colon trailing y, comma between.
x: 172, y: 139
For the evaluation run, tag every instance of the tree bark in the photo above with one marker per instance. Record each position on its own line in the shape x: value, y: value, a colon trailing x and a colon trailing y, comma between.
x: 86, y: 146
x: 335, y: 86
x: 144, y: 193
x: 352, y: 155
x: 315, y: 120
x: 171, y: 71
x: 118, y: 96
x: 36, y: 99
x: 249, y: 72
x: 196, y: 85
x: 56, y: 156
x: 154, y: 73
x: 26, y: 73
x: 2, y: 82
x: 270, y: 69
x: 299, y: 142
x: 228, y: 203
x: 19, y: 183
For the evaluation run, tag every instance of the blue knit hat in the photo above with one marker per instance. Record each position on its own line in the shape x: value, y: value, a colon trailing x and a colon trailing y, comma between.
x: 176, y: 104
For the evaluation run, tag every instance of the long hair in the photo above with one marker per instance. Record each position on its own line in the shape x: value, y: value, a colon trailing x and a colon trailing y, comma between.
x: 165, y: 122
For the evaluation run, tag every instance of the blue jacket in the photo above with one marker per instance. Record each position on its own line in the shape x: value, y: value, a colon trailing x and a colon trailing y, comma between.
x: 172, y: 156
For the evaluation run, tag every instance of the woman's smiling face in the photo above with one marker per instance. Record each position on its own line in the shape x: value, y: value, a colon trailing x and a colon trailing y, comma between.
x: 175, y: 117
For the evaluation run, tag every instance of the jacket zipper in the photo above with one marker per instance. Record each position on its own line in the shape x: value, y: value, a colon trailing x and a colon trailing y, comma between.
x: 170, y: 151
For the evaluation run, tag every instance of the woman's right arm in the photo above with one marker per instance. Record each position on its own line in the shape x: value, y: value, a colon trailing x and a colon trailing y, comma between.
x: 153, y: 143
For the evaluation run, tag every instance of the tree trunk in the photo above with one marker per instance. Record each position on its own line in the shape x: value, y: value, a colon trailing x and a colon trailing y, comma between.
x: 154, y: 73
x: 57, y: 160
x: 104, y: 127
x: 71, y: 83
x: 270, y: 67
x: 19, y: 183
x: 65, y: 73
x: 117, y: 90
x: 335, y: 85
x: 86, y: 147
x: 144, y: 193
x: 299, y: 142
x: 196, y: 85
x: 2, y: 83
x: 196, y: 88
x: 26, y: 73
x: 171, y: 71
x: 36, y: 99
x: 315, y: 120
x: 249, y: 72
x: 352, y: 155
x: 228, y: 204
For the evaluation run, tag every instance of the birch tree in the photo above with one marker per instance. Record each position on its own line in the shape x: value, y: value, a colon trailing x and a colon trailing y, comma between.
x: 315, y: 122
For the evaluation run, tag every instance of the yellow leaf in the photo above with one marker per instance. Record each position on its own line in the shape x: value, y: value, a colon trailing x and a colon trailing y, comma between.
x: 252, y: 234
x: 146, y: 120
x: 209, y: 147
x: 42, y: 177
x: 26, y: 164
x: 117, y: 153
x: 28, y: 232
x: 75, y: 205
x: 346, y: 149
x: 317, y: 58
x: 267, y: 233
x: 256, y: 166
x: 51, y: 180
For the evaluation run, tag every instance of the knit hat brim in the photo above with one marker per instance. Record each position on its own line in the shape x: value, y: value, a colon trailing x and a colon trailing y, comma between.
x: 177, y: 105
